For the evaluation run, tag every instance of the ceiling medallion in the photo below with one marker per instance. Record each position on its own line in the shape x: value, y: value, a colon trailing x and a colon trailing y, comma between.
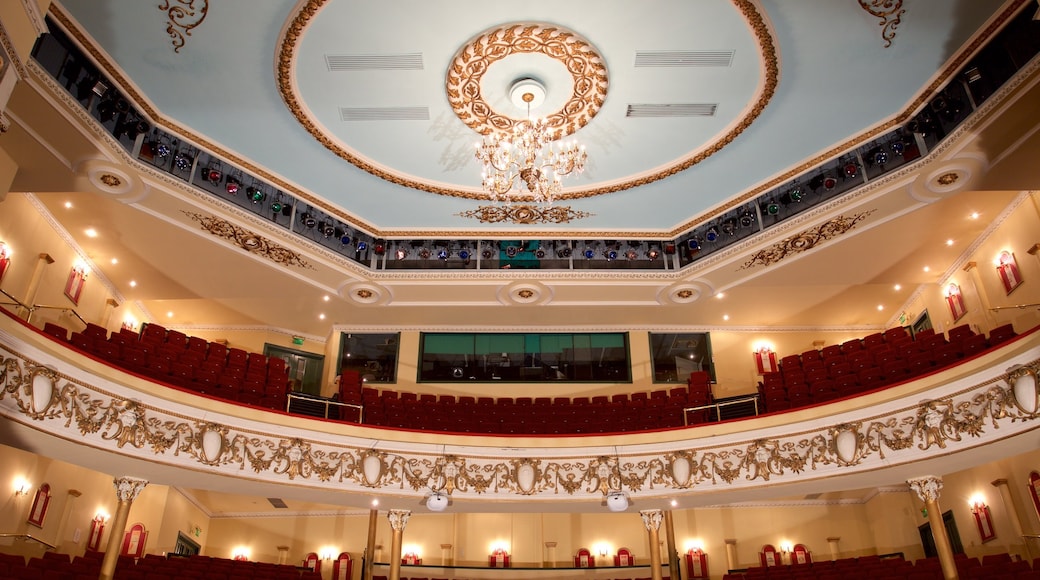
x: 110, y: 180
x: 805, y: 240
x: 948, y: 178
x: 250, y: 242
x: 588, y: 90
x: 524, y: 214
x: 890, y: 12
x: 182, y: 19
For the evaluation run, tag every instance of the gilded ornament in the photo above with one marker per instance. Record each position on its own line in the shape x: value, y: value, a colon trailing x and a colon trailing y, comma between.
x: 249, y: 241
x: 110, y: 180
x: 805, y: 240
x: 128, y: 488
x: 948, y: 178
x: 927, y: 487
x: 525, y: 293
x: 684, y: 293
x: 364, y: 294
x: 183, y: 16
x: 524, y: 214
x: 890, y: 13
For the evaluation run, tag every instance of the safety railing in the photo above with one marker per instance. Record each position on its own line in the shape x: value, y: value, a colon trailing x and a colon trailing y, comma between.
x: 717, y: 406
x: 30, y: 539
x: 327, y: 404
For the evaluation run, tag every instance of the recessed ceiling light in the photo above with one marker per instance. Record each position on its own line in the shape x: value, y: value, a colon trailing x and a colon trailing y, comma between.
x: 68, y: 205
x: 949, y: 242
x: 169, y: 314
x: 325, y: 298
x: 115, y: 261
x: 321, y: 317
x: 927, y: 269
x: 880, y: 307
x: 898, y: 287
x: 725, y: 316
x: 91, y: 233
x: 133, y: 283
x: 674, y: 503
x: 375, y: 502
x: 974, y: 215
x: 720, y: 295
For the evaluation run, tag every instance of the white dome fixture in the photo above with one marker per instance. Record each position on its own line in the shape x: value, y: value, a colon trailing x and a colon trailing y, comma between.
x: 617, y: 501
x: 437, y: 502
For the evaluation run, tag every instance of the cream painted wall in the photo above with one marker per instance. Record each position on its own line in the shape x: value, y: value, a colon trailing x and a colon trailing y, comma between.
x: 893, y: 517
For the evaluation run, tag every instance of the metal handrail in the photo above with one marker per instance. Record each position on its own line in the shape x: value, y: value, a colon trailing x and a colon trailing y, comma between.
x: 1015, y: 307
x: 36, y: 307
x: 15, y: 301
x: 326, y: 402
x: 28, y: 538
x: 753, y: 398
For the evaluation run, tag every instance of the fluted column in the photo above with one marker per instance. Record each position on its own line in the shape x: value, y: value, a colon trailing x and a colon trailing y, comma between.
x: 927, y: 488
x: 673, y: 557
x: 832, y: 543
x: 652, y: 521
x: 1011, y: 509
x: 127, y: 490
x: 370, y: 547
x: 550, y: 553
x: 398, y: 520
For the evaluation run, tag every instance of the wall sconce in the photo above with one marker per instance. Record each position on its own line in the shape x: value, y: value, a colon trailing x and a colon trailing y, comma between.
x: 786, y: 548
x: 240, y: 553
x: 327, y: 553
x: 97, y: 529
x: 22, y: 487
x: 983, y: 517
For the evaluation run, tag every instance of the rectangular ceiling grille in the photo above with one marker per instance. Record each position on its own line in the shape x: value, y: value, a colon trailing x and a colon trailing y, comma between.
x: 277, y: 503
x: 384, y: 113
x: 653, y: 58
x: 354, y: 62
x: 672, y: 110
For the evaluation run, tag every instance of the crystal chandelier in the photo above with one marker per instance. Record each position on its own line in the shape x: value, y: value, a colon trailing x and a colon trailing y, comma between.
x: 528, y: 163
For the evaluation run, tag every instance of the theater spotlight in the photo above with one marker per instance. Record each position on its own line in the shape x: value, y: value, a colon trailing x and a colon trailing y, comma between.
x: 327, y: 230
x: 401, y: 253
x: 276, y: 207
x: 851, y: 169
x: 898, y: 147
x: 512, y: 251
x: 464, y: 255
x: 379, y: 249
x: 182, y: 161
x: 564, y: 252
x: 486, y: 253
x: 589, y: 253
x: 344, y: 237
x: 610, y: 254
x: 255, y: 194
x: 877, y: 156
x: 711, y: 235
x: 669, y: 248
x: 693, y: 244
x: 308, y: 220
x: 729, y: 227
x: 442, y: 254
x: 122, y: 106
x: 653, y: 254
x: 424, y: 253
x: 747, y: 219
x: 771, y: 208
x: 213, y: 174
x: 631, y: 254
x: 287, y: 209
x: 232, y: 185
x: 106, y: 110
x: 539, y: 252
x: 793, y: 195
x: 362, y: 246
x: 161, y: 149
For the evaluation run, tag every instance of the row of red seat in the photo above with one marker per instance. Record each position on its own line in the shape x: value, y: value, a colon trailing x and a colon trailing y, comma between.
x: 58, y: 566
x: 875, y: 361
x: 188, y: 362
x: 992, y: 566
x: 536, y: 415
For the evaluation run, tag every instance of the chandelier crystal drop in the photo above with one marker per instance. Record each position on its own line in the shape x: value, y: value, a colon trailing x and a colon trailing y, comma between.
x: 528, y: 163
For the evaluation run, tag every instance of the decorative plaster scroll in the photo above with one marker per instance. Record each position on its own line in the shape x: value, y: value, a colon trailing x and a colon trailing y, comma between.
x: 805, y: 240
x: 248, y: 241
x: 890, y: 13
x: 927, y: 488
x: 128, y: 488
x: 954, y: 416
x: 183, y: 16
x: 524, y: 214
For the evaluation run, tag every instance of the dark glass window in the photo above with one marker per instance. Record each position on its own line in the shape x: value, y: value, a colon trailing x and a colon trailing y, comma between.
x: 523, y: 357
x: 373, y: 356
x: 677, y: 355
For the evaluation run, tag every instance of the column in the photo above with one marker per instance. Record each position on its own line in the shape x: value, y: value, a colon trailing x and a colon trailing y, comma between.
x: 731, y: 553
x: 66, y: 512
x: 832, y: 543
x: 283, y: 554
x: 446, y: 555
x: 398, y: 520
x: 1012, y: 513
x: 370, y: 547
x: 927, y: 488
x: 127, y: 490
x: 980, y: 289
x: 550, y: 553
x: 652, y: 521
x: 673, y: 557
x: 106, y: 315
x: 42, y: 261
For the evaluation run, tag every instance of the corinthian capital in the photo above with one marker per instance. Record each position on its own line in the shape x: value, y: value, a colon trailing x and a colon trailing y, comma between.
x: 927, y: 488
x: 651, y: 519
x: 128, y: 488
x: 398, y: 519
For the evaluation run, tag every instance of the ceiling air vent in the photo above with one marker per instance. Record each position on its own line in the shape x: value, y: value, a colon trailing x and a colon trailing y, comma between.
x: 652, y: 58
x: 672, y: 110
x: 354, y: 62
x: 278, y: 503
x: 384, y: 113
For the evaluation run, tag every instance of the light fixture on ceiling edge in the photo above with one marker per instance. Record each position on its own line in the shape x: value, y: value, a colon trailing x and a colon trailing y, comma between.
x: 437, y: 502
x: 617, y: 501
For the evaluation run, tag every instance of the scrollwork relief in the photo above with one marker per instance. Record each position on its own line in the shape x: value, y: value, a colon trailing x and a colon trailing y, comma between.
x: 44, y: 399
